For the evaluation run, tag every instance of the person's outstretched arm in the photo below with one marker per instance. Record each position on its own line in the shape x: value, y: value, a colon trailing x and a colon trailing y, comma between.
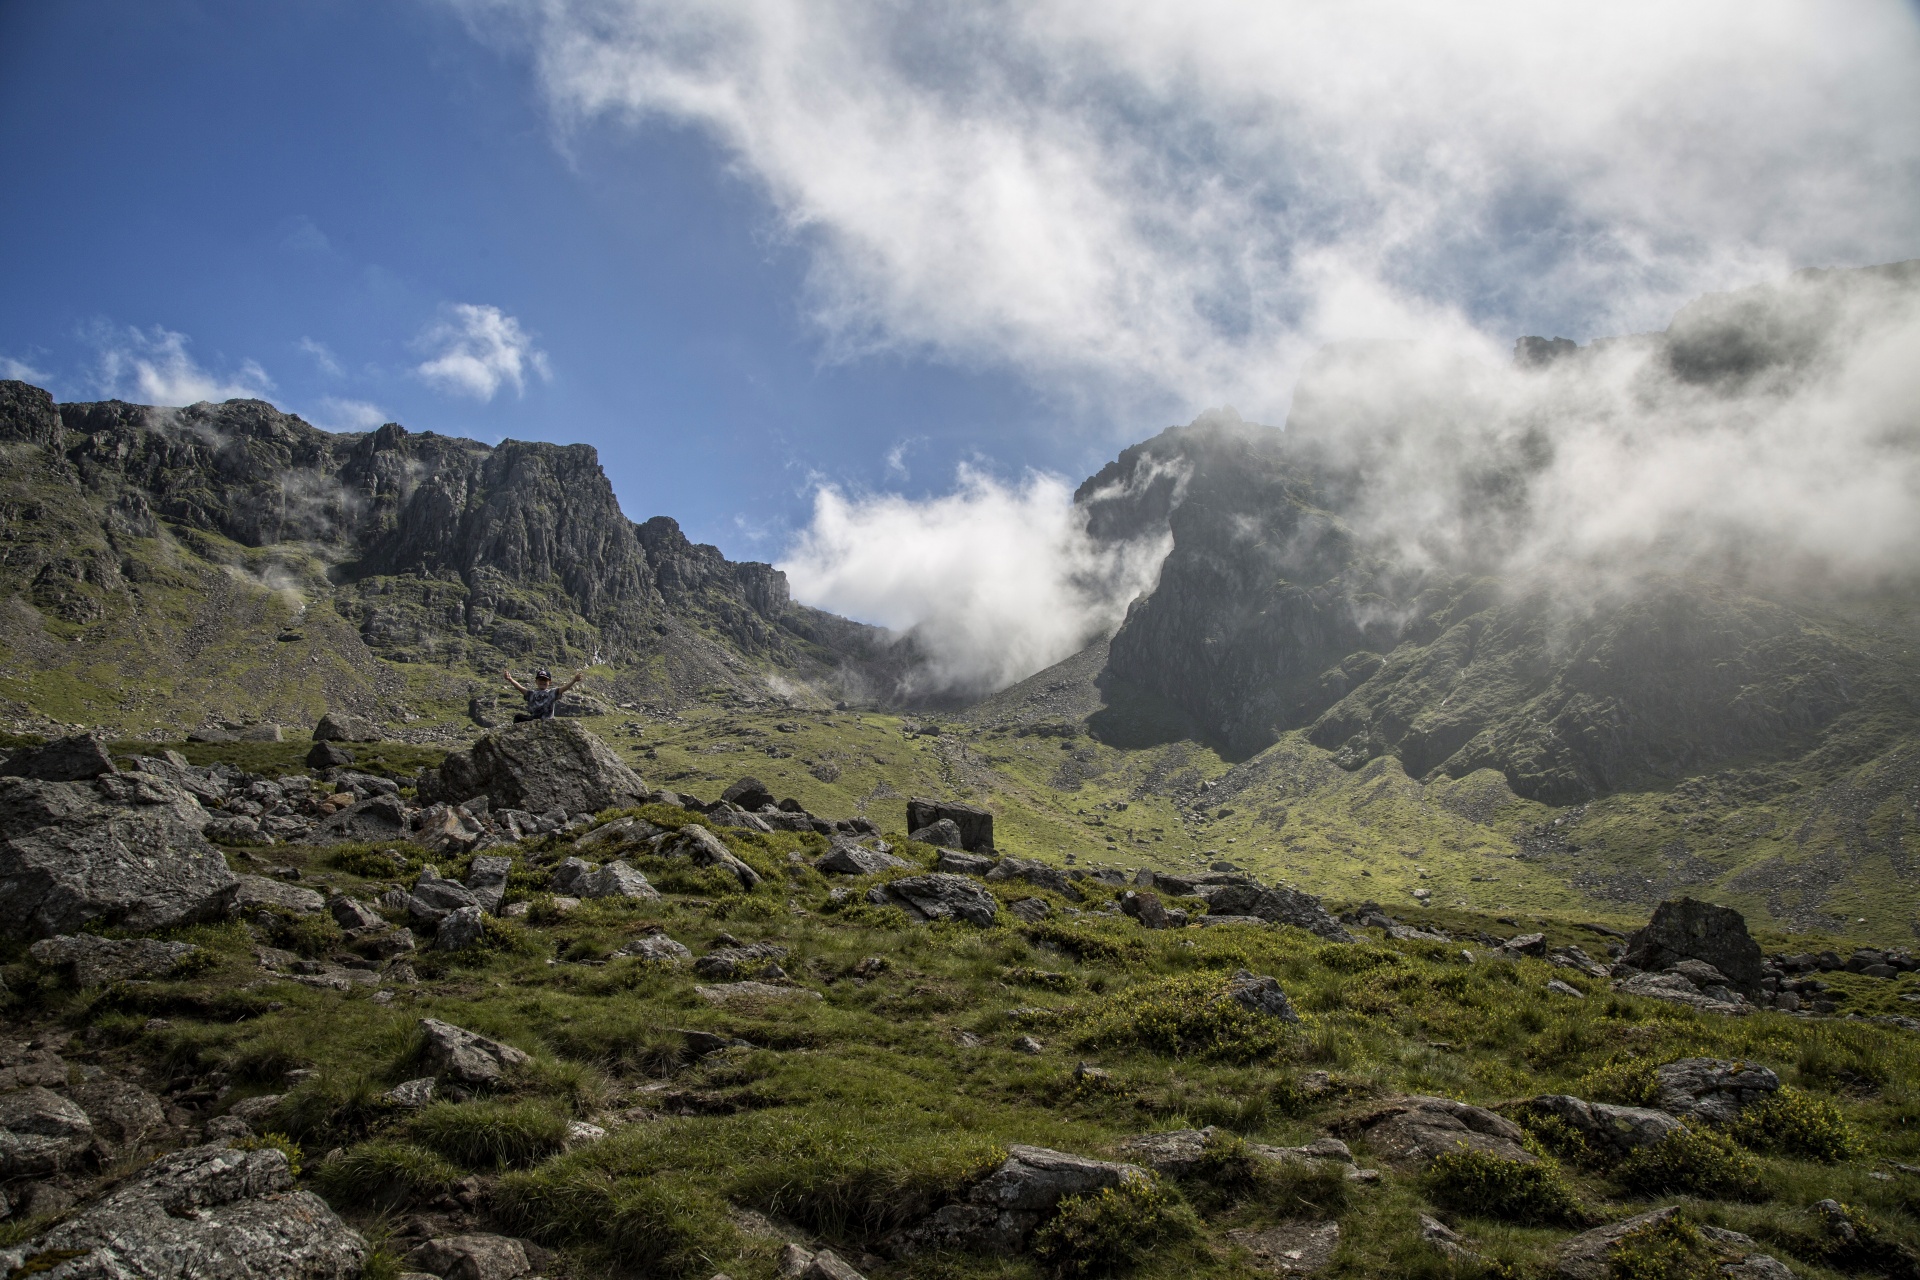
x: 569, y: 684
x: 515, y: 683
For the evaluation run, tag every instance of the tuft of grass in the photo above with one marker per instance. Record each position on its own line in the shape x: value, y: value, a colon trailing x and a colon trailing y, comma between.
x: 1474, y: 1182
x: 305, y: 935
x: 490, y: 1135
x: 666, y: 1224
x: 1111, y: 1230
x: 1188, y: 1016
x: 1626, y: 1082
x: 1702, y: 1162
x: 1797, y: 1124
x: 274, y: 1142
x: 384, y: 1174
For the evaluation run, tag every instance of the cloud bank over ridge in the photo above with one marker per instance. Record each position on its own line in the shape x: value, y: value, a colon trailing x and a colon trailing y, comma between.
x: 1175, y: 205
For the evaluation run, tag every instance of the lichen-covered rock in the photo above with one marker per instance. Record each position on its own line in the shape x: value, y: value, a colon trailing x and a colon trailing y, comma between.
x: 204, y: 1212
x: 446, y: 829
x: 378, y: 817
x: 709, y: 850
x: 460, y: 929
x: 581, y: 879
x: 1002, y: 1210
x: 941, y: 897
x: 537, y: 766
x: 849, y: 859
x: 1712, y: 1089
x: 121, y: 1112
x: 435, y: 897
x: 124, y: 849
x: 256, y: 892
x: 972, y: 824
x: 1688, y: 929
x: 1608, y: 1129
x: 472, y: 1257
x: 40, y: 1133
x: 1676, y: 988
x: 1410, y: 1132
x: 466, y: 1056
x: 657, y: 948
x: 351, y: 913
x: 1259, y: 993
x: 92, y: 961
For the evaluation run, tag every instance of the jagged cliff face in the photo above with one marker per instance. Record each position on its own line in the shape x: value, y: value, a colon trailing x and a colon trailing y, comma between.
x: 430, y: 549
x: 1295, y: 598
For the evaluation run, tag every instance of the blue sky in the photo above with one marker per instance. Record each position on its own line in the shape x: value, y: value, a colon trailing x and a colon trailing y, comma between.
x: 829, y: 279
x: 271, y: 179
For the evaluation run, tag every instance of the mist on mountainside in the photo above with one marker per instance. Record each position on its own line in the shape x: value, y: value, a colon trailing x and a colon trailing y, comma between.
x: 1768, y: 440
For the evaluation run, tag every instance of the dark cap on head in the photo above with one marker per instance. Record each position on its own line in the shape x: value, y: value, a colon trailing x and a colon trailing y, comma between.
x: 543, y: 674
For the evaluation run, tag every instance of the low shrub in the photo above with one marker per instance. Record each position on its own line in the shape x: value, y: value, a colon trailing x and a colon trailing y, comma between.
x: 658, y: 1225
x: 1792, y: 1123
x: 1672, y: 1249
x: 305, y: 935
x: 373, y: 863
x: 1701, y: 1162
x: 1474, y: 1182
x: 1185, y: 1016
x: 330, y: 1110
x: 384, y: 1174
x: 1111, y: 1230
x: 1626, y: 1082
x: 499, y: 1135
x: 1553, y: 1136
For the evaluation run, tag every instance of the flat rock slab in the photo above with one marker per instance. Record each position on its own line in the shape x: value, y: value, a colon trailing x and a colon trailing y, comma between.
x: 1676, y: 989
x: 472, y: 1257
x: 942, y: 896
x: 206, y: 1211
x: 1292, y: 1248
x: 256, y: 892
x: 467, y: 1056
x: 1713, y: 1089
x: 94, y: 962
x: 1410, y: 1132
x: 728, y: 993
x: 850, y: 859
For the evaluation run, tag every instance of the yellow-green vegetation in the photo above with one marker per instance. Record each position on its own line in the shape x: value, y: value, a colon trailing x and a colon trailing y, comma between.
x: 857, y: 1114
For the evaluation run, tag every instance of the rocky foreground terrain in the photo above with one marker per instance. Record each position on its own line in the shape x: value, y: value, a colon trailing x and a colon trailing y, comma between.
x: 521, y: 1013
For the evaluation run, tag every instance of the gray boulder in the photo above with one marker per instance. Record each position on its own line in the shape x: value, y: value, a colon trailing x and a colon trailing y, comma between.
x: 94, y: 962
x: 729, y: 963
x: 1678, y: 989
x: 1410, y: 1132
x: 577, y: 878
x: 325, y: 755
x: 40, y: 1133
x: 460, y: 929
x: 1038, y: 874
x: 1589, y: 1255
x: 849, y: 859
x: 657, y: 948
x: 80, y: 758
x: 1712, y: 1089
x: 709, y: 850
x: 974, y: 824
x: 125, y: 849
x: 1146, y: 907
x: 435, y: 897
x: 1003, y: 1209
x: 206, y: 1211
x: 1179, y: 1152
x: 345, y: 726
x: 944, y: 834
x: 378, y: 817
x: 1609, y: 1130
x: 966, y: 864
x: 748, y: 794
x: 1279, y: 904
x: 1258, y: 993
x: 537, y: 766
x: 465, y: 1056
x: 256, y: 892
x: 351, y: 913
x: 472, y: 1257
x: 487, y: 879
x: 943, y: 897
x: 1687, y: 929
x: 121, y: 1112
x: 446, y: 829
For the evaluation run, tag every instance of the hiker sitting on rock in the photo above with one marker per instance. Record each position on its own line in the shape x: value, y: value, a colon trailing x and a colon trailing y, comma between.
x: 543, y: 699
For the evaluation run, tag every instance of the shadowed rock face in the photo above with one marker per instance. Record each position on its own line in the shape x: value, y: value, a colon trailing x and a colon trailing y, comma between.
x: 1687, y: 929
x: 1273, y: 612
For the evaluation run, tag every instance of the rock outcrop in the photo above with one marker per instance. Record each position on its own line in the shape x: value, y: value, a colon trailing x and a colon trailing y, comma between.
x: 536, y: 766
x: 204, y: 1211
x: 125, y: 849
x: 1687, y: 929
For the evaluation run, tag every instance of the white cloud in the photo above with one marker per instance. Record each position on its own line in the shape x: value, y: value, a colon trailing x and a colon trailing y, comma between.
x: 21, y: 371
x: 337, y: 414
x: 993, y: 581
x: 476, y: 350
x: 1186, y: 198
x: 153, y: 367
x: 322, y: 356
